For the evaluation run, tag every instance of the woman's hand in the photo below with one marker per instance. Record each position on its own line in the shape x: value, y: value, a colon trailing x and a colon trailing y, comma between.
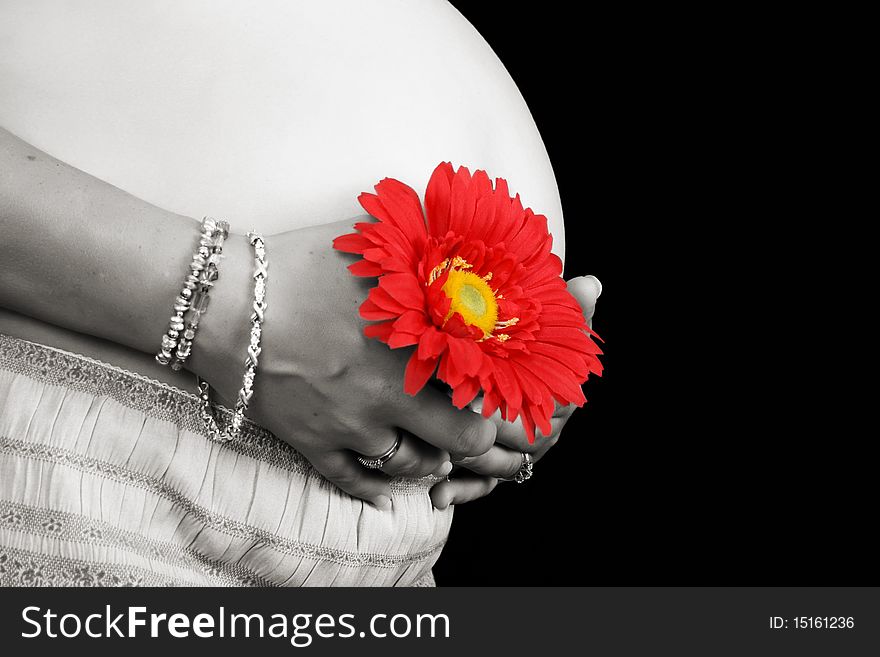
x: 321, y: 385
x: 480, y: 474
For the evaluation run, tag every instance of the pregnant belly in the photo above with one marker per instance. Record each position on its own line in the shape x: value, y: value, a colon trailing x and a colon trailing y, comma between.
x: 275, y: 120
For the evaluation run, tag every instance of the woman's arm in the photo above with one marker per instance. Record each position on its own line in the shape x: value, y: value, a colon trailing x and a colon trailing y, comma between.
x: 84, y: 255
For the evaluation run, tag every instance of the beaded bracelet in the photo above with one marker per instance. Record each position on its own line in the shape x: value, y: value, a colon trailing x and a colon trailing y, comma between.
x: 203, y: 273
x: 199, y: 300
x: 253, y: 353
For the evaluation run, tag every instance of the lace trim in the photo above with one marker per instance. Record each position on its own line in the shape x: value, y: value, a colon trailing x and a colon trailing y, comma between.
x: 159, y: 400
x: 77, y: 528
x: 25, y: 568
x: 425, y: 581
x: 206, y: 516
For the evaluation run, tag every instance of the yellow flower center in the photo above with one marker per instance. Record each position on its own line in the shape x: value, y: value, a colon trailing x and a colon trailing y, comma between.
x: 473, y: 299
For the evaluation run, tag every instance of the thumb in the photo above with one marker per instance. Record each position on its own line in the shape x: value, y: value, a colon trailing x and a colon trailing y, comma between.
x: 586, y: 289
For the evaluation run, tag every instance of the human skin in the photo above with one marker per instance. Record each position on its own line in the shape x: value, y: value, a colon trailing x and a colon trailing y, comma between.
x: 313, y: 103
x: 81, y: 254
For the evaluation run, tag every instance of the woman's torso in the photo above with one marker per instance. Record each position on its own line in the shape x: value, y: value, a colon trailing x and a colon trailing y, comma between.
x: 274, y: 115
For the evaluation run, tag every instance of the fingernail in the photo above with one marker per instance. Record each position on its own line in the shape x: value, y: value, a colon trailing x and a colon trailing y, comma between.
x: 598, y: 284
x: 444, y: 469
x: 383, y: 502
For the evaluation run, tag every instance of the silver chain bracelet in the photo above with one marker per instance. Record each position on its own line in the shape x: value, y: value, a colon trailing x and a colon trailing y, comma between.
x: 233, y: 429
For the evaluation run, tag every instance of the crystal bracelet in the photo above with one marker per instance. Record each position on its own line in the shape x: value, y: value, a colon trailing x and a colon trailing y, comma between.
x: 199, y: 300
x: 213, y: 235
x: 233, y: 429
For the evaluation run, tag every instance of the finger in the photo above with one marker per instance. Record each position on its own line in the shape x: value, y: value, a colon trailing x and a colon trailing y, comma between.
x: 344, y: 471
x: 499, y: 462
x: 564, y: 411
x: 586, y: 289
x: 513, y: 435
x: 502, y: 462
x: 431, y: 417
x: 464, y: 488
x: 416, y: 458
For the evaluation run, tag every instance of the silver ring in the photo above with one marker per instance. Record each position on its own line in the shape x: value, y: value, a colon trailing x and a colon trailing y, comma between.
x: 377, y: 462
x: 525, y: 470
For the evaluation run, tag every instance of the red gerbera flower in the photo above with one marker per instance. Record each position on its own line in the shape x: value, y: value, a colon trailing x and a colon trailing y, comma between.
x: 477, y: 289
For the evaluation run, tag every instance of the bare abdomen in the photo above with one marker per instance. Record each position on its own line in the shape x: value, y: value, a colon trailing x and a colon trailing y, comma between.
x: 274, y: 119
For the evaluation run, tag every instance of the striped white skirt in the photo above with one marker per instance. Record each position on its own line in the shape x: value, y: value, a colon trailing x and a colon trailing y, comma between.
x: 108, y: 479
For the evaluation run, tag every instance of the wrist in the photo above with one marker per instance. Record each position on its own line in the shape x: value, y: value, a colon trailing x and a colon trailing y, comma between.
x: 219, y: 351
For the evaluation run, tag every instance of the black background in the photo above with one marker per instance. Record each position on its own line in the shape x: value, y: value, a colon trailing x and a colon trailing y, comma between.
x: 593, y: 512
x: 710, y: 451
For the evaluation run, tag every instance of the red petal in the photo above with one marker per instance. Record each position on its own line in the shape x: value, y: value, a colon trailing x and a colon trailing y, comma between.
x: 568, y: 336
x: 375, y: 254
x: 352, y: 243
x: 404, y: 209
x: 368, y: 230
x: 399, y: 339
x: 487, y: 365
x: 501, y: 213
x: 507, y: 229
x: 366, y: 268
x: 371, y: 312
x: 507, y: 383
x: 412, y: 321
x: 481, y: 224
x: 464, y: 393
x: 463, y: 202
x: 437, y: 198
x: 542, y: 413
x: 385, y: 301
x: 482, y: 184
x: 530, y: 236
x: 396, y: 265
x: 374, y: 207
x: 396, y: 242
x: 491, y: 402
x: 561, y: 380
x: 532, y: 386
x: 450, y: 371
x: 456, y: 326
x: 405, y: 289
x: 528, y: 424
x: 417, y: 373
x: 439, y: 309
x: 474, y: 251
x: 432, y: 343
x: 466, y: 355
x: 565, y: 357
x: 541, y: 418
x: 594, y: 334
x: 380, y: 331
x: 555, y: 315
x: 472, y: 225
x: 539, y: 273
x: 502, y: 270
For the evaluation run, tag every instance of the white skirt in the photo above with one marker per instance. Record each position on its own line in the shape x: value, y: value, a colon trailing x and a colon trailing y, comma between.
x: 108, y: 479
